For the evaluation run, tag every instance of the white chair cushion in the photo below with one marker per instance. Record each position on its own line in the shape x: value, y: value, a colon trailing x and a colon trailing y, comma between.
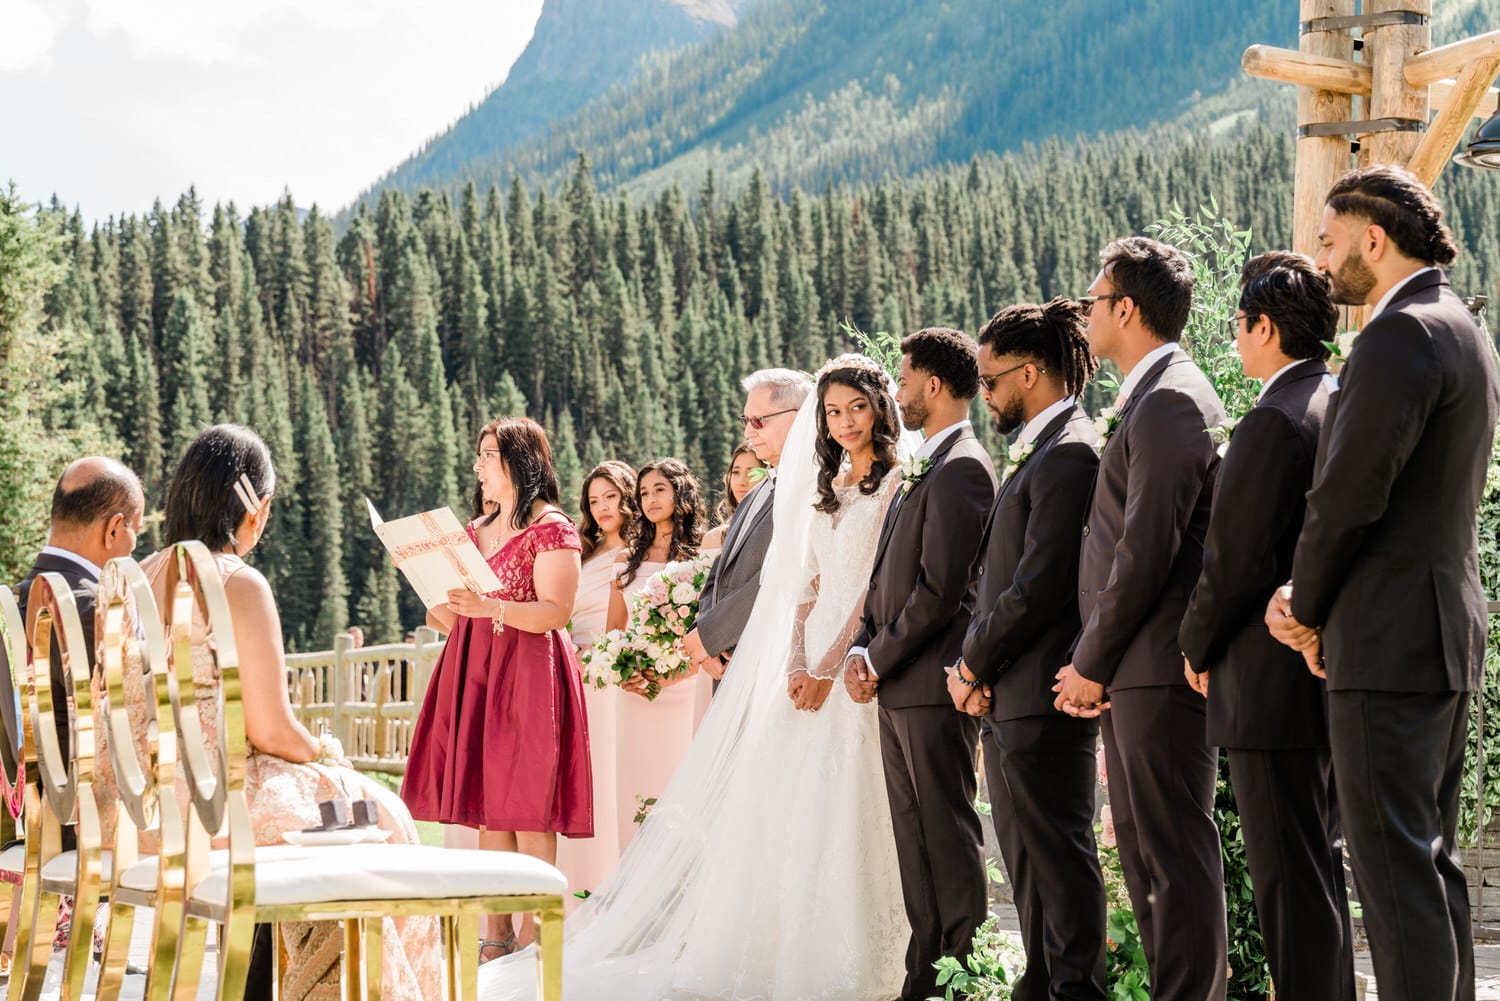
x: 13, y: 859
x: 65, y: 866
x: 388, y: 872
x: 142, y: 876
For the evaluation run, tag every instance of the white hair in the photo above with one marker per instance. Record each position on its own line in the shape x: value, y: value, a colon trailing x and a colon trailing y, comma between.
x: 789, y: 388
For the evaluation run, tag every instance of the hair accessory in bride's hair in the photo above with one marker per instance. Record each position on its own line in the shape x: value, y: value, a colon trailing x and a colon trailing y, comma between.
x: 245, y: 491
x: 861, y: 362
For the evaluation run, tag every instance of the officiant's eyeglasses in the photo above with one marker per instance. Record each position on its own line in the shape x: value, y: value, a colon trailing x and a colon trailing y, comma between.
x: 1087, y: 301
x: 759, y: 423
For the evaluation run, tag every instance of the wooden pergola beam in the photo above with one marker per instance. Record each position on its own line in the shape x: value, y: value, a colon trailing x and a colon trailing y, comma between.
x: 1341, y: 76
x: 1448, y: 128
x: 1440, y: 93
x: 1449, y: 60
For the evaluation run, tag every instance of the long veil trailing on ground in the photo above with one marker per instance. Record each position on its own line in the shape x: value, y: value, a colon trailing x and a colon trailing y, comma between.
x: 641, y: 935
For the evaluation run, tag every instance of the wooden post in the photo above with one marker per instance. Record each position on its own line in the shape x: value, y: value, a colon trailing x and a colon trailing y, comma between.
x: 1387, y: 48
x: 1320, y: 159
x: 1443, y: 135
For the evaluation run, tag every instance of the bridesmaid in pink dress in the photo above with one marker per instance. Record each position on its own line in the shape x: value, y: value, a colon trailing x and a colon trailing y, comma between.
x: 739, y: 480
x: 501, y: 743
x: 608, y: 510
x: 653, y: 735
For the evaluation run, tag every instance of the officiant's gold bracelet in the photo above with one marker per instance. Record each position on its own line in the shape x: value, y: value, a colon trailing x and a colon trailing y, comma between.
x: 499, y: 620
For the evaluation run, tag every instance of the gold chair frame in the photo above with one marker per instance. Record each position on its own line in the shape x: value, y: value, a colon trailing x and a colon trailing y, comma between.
x: 18, y: 775
x: 148, y: 805
x: 218, y: 801
x: 68, y: 794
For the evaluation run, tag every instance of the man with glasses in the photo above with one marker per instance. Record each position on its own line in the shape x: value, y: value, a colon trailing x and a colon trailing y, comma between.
x: 1264, y: 708
x: 1141, y: 554
x: 773, y: 397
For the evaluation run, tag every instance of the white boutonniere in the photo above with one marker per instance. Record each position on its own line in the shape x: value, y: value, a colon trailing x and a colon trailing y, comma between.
x: 912, y: 471
x: 1221, y: 433
x: 1017, y: 454
x: 1105, y: 423
x: 1340, y: 346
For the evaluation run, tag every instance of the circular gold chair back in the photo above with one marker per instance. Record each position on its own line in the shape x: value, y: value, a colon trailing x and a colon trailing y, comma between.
x: 130, y: 621
x: 216, y: 772
x: 61, y: 768
x: 16, y: 749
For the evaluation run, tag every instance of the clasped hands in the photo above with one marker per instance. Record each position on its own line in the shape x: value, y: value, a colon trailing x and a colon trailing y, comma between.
x: 1077, y: 695
x: 710, y: 664
x: 968, y: 694
x: 1284, y: 627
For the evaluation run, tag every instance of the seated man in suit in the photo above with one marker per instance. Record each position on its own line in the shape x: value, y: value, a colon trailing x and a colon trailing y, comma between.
x: 1385, y: 598
x: 773, y: 397
x: 1264, y: 708
x: 97, y: 511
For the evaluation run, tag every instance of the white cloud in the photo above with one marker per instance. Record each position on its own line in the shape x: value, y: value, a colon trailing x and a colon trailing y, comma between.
x: 30, y: 29
x: 139, y: 99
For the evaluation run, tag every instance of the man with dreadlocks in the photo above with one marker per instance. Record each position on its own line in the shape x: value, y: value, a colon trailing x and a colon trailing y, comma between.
x: 1033, y: 364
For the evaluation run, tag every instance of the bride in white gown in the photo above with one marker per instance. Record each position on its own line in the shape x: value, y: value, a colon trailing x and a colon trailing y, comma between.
x: 767, y: 869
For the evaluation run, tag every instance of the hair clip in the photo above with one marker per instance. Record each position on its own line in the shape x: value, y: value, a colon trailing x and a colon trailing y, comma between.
x: 245, y: 490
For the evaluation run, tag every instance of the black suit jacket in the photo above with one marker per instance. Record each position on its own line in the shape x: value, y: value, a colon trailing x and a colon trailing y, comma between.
x: 733, y: 581
x: 1143, y: 544
x: 1025, y: 588
x: 1260, y: 695
x: 1387, y: 563
x: 85, y: 588
x: 918, y: 604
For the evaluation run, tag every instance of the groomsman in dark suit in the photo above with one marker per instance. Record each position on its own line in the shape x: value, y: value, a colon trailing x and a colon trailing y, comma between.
x: 915, y: 615
x: 1033, y: 364
x: 1385, y: 595
x: 1142, y: 550
x: 774, y: 396
x: 1264, y: 707
x: 97, y: 512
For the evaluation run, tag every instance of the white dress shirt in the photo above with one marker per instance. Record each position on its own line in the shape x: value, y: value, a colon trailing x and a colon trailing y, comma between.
x: 1035, y: 426
x: 72, y: 557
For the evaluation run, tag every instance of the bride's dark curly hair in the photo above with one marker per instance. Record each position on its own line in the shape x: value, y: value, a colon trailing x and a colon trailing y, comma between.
x: 869, y: 380
x: 689, y: 516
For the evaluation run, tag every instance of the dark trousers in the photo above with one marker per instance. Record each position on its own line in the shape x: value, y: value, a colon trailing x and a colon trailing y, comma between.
x: 1161, y: 794
x: 1398, y: 762
x: 1297, y: 870
x: 930, y: 779
x: 1040, y: 773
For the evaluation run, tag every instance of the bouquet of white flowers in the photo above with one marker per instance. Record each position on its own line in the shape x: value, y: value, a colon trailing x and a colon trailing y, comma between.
x: 661, y: 614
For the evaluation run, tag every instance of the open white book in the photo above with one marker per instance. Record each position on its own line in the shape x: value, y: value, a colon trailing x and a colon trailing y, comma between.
x: 435, y: 553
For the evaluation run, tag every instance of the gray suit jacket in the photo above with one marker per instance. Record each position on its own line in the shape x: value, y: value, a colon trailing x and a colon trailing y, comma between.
x: 733, y: 581
x: 1387, y: 562
x: 1143, y: 542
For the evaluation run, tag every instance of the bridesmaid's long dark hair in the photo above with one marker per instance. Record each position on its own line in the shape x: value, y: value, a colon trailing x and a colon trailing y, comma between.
x: 528, y: 461
x: 688, y: 518
x: 622, y: 478
x: 886, y: 432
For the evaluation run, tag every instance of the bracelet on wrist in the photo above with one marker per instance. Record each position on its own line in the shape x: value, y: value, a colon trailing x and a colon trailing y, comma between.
x: 499, y: 620
x: 958, y: 672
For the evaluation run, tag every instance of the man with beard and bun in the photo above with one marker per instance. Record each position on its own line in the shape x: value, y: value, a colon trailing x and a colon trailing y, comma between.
x: 915, y: 612
x: 1385, y: 598
x: 1033, y: 364
x: 1141, y: 552
x: 1264, y: 708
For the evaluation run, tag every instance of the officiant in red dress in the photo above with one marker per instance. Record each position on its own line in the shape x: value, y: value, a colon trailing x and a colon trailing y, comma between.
x: 501, y: 743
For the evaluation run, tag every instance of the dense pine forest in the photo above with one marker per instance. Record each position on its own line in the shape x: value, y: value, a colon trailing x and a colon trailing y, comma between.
x: 369, y: 355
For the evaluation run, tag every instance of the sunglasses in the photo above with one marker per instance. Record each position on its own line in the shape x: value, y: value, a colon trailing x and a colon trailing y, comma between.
x: 759, y: 423
x: 988, y: 381
x: 1087, y: 301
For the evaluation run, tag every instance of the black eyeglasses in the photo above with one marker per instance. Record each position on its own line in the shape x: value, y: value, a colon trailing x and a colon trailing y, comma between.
x: 1234, y: 324
x: 759, y: 423
x: 1087, y: 301
x: 988, y: 381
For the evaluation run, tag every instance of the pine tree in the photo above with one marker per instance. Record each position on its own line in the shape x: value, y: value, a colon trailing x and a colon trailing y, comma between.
x: 323, y: 530
x: 186, y: 353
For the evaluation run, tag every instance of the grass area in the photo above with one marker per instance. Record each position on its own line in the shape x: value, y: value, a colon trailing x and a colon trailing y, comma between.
x: 430, y: 832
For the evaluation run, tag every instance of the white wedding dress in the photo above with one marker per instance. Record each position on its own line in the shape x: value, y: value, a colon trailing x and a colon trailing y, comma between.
x: 767, y: 870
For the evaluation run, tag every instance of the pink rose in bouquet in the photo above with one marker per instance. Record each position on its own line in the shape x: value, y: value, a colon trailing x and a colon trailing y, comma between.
x: 661, y: 614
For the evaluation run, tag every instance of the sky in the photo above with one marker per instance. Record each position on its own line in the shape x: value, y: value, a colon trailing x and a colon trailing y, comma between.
x: 110, y: 104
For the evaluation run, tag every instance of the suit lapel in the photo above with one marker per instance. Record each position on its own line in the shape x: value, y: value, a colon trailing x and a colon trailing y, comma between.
x: 937, y: 457
x: 735, y: 536
x: 1039, y: 445
x: 1309, y: 369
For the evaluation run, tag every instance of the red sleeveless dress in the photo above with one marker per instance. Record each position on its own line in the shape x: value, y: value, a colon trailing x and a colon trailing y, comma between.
x: 502, y: 739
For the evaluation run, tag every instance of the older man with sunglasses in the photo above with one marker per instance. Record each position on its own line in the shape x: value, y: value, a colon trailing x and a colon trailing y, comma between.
x: 773, y: 397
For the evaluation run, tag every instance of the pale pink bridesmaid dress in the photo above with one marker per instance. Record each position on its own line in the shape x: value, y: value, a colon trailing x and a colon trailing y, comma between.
x: 586, y: 861
x: 651, y: 736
